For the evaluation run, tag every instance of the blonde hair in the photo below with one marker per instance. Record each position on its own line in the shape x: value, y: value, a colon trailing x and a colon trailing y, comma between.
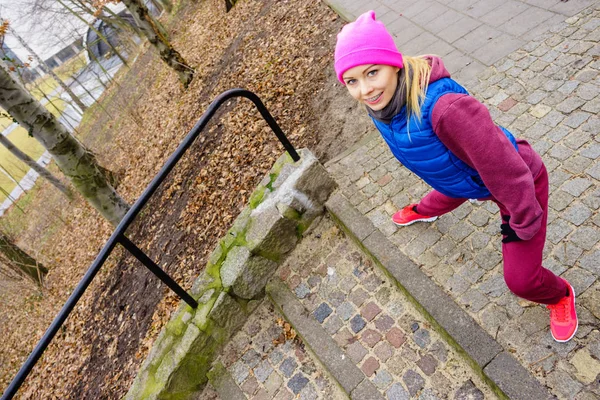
x: 418, y: 72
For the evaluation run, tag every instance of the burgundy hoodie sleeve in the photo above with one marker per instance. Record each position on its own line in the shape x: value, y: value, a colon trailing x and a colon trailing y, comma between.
x: 465, y: 126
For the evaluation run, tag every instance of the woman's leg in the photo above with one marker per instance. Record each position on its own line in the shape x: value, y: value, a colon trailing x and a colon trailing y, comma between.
x: 523, y: 271
x: 435, y: 204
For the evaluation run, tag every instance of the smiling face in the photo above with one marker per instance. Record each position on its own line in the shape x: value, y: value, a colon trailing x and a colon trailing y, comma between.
x: 372, y: 84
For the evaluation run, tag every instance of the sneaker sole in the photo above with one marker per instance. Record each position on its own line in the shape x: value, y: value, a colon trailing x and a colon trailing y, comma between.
x: 577, y: 326
x: 416, y: 220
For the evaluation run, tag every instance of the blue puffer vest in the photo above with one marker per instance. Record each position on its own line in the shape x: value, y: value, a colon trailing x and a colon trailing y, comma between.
x: 423, y: 152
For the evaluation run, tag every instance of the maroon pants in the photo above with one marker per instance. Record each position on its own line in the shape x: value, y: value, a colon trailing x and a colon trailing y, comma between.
x: 523, y: 271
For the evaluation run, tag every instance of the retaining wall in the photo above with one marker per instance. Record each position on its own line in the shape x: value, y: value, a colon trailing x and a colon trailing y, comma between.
x: 280, y: 210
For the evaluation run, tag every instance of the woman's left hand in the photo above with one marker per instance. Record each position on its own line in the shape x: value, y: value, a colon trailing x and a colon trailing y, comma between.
x: 509, y: 233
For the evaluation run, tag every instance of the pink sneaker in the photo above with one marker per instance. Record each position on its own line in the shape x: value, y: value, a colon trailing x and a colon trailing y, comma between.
x: 408, y: 216
x: 563, y: 317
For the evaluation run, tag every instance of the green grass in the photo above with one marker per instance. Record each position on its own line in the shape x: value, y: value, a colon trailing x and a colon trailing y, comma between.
x: 27, y: 144
x: 12, y: 222
x: 47, y: 84
x: 9, y: 163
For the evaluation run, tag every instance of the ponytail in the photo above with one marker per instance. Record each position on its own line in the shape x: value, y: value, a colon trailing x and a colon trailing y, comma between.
x: 418, y: 72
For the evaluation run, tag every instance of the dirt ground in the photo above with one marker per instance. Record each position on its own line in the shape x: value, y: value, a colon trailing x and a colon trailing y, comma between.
x: 281, y: 50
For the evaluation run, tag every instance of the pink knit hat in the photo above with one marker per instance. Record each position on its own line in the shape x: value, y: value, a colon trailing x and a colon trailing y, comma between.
x: 365, y: 41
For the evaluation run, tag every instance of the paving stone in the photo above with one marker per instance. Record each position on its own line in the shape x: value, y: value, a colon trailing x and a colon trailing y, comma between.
x: 297, y: 383
x: 479, y: 240
x: 383, y: 296
x: 396, y: 309
x: 468, y: 391
x: 336, y: 298
x: 413, y: 381
x: 428, y: 364
x: 591, y: 151
x: 443, y: 247
x: 422, y: 338
x: 570, y: 104
x: 263, y: 370
x: 561, y: 152
x: 309, y: 392
x: 591, y: 262
x: 288, y: 366
x: 343, y: 337
x: 372, y: 283
x: 457, y: 285
x: 579, y: 278
x: 439, y: 350
x: 370, y: 365
x: 382, y: 379
x: 568, y: 253
x: 356, y: 352
x: 474, y: 299
x: 493, y: 317
x: 322, y: 312
x: 577, y: 214
x: 576, y: 119
x: 370, y: 311
x: 345, y: 311
x: 558, y: 133
x: 397, y: 392
x: 333, y: 324
x: 302, y: 290
x: 251, y: 358
x: 396, y: 337
x: 383, y: 351
x: 371, y: 337
x: 576, y: 186
x: 558, y: 230
x: 384, y: 323
x: 250, y: 386
x: 358, y: 296
x: 563, y: 384
x: 470, y: 272
x: 576, y: 164
x: 488, y: 258
x: 357, y: 323
x: 347, y: 283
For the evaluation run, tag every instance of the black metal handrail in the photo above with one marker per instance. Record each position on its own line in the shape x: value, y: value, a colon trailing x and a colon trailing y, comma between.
x: 118, y: 235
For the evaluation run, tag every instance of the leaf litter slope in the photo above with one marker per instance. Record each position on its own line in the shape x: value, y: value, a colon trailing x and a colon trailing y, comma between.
x: 281, y: 50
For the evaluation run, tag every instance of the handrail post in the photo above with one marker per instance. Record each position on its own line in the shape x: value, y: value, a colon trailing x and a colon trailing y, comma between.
x: 156, y: 270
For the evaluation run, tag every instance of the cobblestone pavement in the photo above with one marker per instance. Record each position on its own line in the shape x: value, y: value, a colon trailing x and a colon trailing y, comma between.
x: 382, y: 333
x: 374, y: 323
x: 471, y: 35
x: 548, y: 93
x: 267, y: 366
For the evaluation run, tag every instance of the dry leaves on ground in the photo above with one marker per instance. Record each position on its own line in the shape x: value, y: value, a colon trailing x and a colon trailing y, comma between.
x: 281, y: 50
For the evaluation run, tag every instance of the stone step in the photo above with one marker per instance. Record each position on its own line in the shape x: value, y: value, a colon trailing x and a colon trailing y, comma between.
x: 260, y: 363
x: 505, y: 375
x: 368, y: 335
x: 342, y: 368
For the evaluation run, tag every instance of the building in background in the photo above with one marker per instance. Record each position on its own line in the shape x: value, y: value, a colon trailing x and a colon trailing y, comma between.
x: 16, y: 66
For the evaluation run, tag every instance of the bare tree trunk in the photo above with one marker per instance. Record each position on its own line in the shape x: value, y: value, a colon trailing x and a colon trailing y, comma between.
x: 21, y: 262
x: 169, y: 55
x: 73, y: 159
x: 43, y: 65
x: 44, y: 173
